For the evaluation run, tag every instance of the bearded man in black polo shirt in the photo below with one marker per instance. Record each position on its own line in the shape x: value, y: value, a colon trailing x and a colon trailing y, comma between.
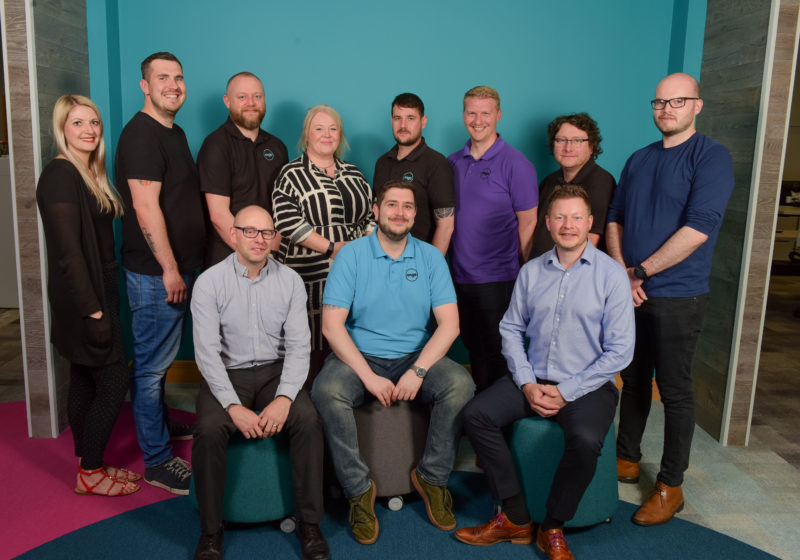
x: 238, y: 164
x: 429, y: 171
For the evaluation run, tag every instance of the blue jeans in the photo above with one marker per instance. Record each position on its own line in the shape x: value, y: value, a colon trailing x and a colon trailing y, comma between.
x: 337, y: 390
x: 157, y: 329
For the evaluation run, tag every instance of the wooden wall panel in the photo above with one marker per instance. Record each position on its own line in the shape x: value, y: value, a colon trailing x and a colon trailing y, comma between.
x: 22, y: 141
x: 61, y: 61
x: 735, y: 49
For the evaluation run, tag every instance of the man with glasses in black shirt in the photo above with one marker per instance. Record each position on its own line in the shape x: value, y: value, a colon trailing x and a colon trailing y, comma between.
x: 574, y: 141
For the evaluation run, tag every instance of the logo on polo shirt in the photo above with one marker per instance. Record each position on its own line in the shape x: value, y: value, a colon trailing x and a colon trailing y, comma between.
x: 268, y: 155
x: 408, y: 176
x: 485, y: 174
x: 412, y: 275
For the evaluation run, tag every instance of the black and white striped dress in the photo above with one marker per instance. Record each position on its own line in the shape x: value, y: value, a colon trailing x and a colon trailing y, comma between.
x: 306, y: 200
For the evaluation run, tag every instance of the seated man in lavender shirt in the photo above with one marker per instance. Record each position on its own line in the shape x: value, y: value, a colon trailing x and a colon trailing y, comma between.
x: 496, y: 204
x: 573, y: 303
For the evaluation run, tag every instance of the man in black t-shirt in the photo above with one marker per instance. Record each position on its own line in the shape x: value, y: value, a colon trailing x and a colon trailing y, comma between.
x: 238, y: 164
x: 428, y: 170
x: 162, y: 247
x: 574, y: 141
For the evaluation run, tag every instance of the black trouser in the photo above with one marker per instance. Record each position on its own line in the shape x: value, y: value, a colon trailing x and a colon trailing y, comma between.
x: 256, y: 388
x: 96, y: 393
x: 585, y: 422
x: 480, y: 309
x: 667, y: 330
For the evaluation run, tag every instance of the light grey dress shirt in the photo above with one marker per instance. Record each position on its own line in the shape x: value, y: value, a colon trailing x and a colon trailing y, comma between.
x: 240, y: 323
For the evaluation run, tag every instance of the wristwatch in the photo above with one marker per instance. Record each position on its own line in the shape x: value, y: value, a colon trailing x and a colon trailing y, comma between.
x: 640, y: 273
x: 420, y: 371
x: 329, y: 252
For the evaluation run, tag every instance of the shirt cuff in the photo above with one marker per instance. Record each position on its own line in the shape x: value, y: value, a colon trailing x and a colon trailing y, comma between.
x: 523, y: 376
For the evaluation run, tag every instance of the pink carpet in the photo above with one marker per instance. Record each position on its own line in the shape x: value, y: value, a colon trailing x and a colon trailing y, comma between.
x: 37, y: 478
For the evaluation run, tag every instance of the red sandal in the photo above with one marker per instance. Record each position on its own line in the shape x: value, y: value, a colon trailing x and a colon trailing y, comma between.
x: 122, y: 474
x: 115, y: 488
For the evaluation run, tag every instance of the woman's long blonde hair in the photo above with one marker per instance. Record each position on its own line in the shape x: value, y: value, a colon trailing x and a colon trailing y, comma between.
x: 99, y: 185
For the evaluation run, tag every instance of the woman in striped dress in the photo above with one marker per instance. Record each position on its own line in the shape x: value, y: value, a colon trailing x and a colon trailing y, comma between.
x: 320, y: 203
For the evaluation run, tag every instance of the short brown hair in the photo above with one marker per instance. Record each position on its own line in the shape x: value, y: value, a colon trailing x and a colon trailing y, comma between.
x: 394, y: 184
x: 569, y: 190
x: 158, y: 56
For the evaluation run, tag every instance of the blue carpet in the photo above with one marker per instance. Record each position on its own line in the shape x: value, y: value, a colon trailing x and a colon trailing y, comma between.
x: 170, y: 529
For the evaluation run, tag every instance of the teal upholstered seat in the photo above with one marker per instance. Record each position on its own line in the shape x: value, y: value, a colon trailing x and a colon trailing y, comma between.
x: 537, y: 445
x: 258, y: 484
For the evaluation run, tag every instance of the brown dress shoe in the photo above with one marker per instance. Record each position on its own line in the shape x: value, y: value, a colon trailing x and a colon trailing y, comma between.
x: 662, y: 505
x: 499, y: 529
x: 627, y: 471
x: 553, y: 544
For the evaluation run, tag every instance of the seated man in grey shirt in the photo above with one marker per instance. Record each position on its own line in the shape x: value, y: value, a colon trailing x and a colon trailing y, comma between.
x: 252, y: 342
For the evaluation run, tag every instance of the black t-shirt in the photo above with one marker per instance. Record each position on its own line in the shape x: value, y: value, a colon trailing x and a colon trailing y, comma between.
x: 148, y: 150
x: 600, y: 185
x: 232, y: 165
x: 432, y: 176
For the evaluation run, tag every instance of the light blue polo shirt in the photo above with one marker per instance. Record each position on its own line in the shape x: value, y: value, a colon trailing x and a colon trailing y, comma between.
x: 390, y: 301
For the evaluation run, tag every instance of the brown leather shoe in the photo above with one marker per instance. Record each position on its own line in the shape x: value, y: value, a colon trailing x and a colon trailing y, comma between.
x: 499, y: 529
x: 553, y: 544
x: 662, y: 505
x: 627, y: 471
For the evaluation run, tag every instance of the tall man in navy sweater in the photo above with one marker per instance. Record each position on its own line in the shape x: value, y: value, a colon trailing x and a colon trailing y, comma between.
x: 662, y: 226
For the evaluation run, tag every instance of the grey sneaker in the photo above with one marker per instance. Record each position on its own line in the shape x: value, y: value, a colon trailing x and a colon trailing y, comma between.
x: 173, y: 476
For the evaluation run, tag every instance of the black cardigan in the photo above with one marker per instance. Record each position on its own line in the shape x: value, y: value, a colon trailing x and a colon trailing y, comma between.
x: 75, y: 270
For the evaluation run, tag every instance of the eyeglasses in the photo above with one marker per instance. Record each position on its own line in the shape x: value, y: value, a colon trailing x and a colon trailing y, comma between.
x: 252, y: 233
x: 675, y: 102
x: 573, y: 141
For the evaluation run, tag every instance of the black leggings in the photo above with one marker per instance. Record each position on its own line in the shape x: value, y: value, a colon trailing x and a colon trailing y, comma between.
x: 96, y: 393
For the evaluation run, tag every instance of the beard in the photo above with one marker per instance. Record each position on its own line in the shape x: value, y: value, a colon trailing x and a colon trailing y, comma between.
x: 393, y: 235
x: 408, y: 142
x: 248, y: 123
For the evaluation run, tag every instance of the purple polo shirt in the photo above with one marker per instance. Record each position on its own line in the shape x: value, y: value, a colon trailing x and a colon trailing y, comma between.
x: 489, y: 192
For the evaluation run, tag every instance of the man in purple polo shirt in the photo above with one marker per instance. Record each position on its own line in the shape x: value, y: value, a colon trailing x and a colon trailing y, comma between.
x: 496, y: 207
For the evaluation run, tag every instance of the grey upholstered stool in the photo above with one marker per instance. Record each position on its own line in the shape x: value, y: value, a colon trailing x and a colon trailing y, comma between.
x: 391, y: 441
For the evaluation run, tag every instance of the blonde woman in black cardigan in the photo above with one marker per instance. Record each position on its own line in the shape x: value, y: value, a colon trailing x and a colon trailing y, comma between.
x: 78, y: 206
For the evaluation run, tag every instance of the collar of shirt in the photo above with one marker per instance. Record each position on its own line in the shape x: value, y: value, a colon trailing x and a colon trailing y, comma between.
x: 378, y: 252
x: 314, y: 170
x: 234, y: 132
x: 584, y: 171
x: 241, y: 270
x: 495, y: 148
x: 415, y: 153
x: 588, y: 255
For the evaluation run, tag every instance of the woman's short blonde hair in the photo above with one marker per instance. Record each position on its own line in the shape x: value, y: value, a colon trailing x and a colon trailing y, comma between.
x: 322, y: 108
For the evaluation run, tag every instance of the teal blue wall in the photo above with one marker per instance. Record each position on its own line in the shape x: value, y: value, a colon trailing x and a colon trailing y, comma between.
x: 544, y: 58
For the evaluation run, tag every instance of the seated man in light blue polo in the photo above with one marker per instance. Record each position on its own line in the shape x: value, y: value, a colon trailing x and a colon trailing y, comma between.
x: 376, y: 316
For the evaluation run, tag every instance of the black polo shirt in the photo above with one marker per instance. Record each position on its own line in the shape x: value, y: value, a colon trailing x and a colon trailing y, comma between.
x: 432, y: 176
x: 151, y: 151
x: 600, y: 185
x: 232, y: 165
